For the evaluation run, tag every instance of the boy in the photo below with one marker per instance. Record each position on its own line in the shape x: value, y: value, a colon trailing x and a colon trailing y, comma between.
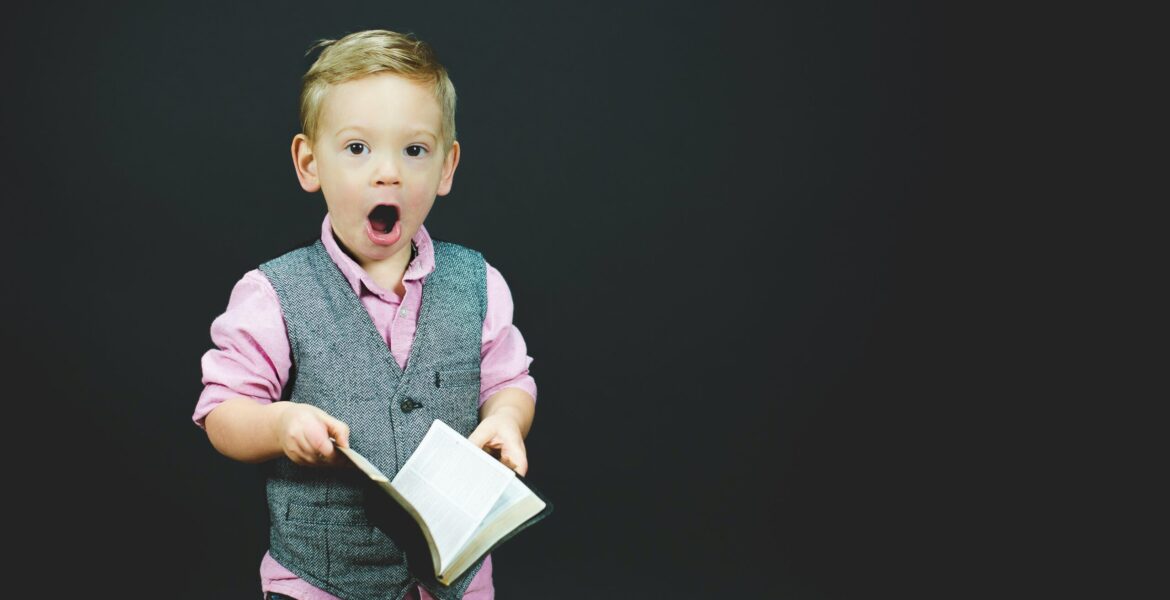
x: 368, y: 334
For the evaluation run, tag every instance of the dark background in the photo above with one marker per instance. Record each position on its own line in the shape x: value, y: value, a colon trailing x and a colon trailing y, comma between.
x: 729, y: 232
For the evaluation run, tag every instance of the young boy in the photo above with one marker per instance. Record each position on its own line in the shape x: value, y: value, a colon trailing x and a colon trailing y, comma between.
x: 368, y: 334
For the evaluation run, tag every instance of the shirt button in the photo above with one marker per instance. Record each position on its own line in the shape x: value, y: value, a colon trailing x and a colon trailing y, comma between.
x: 409, y: 405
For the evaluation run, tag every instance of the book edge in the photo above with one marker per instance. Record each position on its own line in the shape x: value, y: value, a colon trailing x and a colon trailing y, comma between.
x: 544, y: 512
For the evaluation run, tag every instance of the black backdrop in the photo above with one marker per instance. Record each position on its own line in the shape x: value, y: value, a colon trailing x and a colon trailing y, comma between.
x: 724, y: 231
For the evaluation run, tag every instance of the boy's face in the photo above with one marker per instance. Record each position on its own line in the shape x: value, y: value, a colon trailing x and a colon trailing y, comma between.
x: 379, y: 161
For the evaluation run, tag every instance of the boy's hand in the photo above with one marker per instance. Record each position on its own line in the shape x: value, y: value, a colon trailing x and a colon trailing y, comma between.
x: 500, y: 436
x: 303, y: 432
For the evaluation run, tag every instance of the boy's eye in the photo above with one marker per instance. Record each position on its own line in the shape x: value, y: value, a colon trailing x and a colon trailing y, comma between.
x: 356, y: 148
x: 415, y: 150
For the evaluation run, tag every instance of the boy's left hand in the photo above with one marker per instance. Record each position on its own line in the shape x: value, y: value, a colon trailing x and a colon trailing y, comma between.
x: 500, y: 436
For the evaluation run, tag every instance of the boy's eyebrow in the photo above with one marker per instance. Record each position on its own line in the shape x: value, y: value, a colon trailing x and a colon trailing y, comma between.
x: 416, y: 130
x: 353, y: 127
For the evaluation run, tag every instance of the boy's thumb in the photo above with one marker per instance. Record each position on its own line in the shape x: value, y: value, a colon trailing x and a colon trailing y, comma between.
x: 516, y: 462
x: 339, y: 431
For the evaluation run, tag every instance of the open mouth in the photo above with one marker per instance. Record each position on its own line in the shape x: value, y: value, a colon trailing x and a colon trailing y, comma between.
x: 383, y: 218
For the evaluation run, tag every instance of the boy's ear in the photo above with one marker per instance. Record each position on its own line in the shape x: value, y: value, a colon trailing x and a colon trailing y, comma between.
x: 449, y: 163
x: 305, y: 163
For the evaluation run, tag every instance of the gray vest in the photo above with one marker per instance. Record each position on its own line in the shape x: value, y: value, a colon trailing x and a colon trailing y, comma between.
x: 319, y: 529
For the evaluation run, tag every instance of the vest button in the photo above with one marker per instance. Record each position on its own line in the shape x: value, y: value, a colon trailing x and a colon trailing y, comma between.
x: 409, y: 405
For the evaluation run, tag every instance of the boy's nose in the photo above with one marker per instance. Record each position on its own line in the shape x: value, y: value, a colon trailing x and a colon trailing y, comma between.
x: 386, y: 172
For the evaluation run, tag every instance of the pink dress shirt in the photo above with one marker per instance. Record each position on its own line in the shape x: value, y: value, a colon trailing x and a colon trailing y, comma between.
x: 252, y: 358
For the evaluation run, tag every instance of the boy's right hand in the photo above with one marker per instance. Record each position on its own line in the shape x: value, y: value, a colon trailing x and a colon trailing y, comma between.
x: 303, y: 432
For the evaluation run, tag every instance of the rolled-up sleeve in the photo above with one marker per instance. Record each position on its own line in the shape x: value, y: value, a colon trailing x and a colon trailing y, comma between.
x: 504, y: 359
x: 251, y: 357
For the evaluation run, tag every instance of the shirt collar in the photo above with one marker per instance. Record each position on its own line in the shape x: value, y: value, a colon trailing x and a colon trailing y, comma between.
x: 420, y: 265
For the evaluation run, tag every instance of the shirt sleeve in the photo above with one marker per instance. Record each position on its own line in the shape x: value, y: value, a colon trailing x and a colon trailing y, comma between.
x: 251, y: 357
x: 504, y: 356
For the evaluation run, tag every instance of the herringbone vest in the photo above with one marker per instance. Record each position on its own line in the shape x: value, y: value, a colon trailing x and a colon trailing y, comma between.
x: 319, y: 529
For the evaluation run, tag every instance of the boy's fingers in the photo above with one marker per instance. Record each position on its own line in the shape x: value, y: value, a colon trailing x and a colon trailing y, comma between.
x: 515, y: 461
x: 303, y: 456
x: 518, y: 463
x: 480, y: 436
x: 514, y: 456
x: 318, y: 442
x: 302, y: 446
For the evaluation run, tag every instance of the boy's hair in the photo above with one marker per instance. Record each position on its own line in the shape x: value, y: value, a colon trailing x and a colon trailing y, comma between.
x: 365, y: 53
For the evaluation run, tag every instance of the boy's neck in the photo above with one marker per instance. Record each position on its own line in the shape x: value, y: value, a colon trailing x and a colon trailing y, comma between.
x: 386, y: 273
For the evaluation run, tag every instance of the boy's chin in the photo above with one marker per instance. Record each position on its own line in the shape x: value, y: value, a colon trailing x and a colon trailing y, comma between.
x: 364, y: 251
x: 375, y: 253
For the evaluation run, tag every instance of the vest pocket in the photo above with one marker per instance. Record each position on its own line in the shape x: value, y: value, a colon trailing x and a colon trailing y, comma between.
x: 456, y: 378
x: 326, y: 515
x: 329, y: 537
x: 457, y: 398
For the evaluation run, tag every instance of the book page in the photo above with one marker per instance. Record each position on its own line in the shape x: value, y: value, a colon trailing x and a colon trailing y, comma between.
x: 453, y: 485
x: 515, y: 492
x: 516, y: 505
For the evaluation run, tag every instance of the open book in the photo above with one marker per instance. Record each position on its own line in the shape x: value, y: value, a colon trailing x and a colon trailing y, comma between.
x: 465, y: 501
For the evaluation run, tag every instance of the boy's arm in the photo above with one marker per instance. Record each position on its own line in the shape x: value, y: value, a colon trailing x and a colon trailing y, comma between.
x: 504, y: 421
x: 508, y: 392
x: 244, y: 378
x: 249, y: 431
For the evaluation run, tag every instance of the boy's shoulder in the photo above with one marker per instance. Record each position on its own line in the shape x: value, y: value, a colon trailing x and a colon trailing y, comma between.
x: 300, y: 246
x: 442, y: 245
x: 294, y: 254
x: 459, y: 261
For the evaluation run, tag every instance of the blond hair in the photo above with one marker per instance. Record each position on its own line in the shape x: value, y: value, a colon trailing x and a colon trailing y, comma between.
x: 369, y: 52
